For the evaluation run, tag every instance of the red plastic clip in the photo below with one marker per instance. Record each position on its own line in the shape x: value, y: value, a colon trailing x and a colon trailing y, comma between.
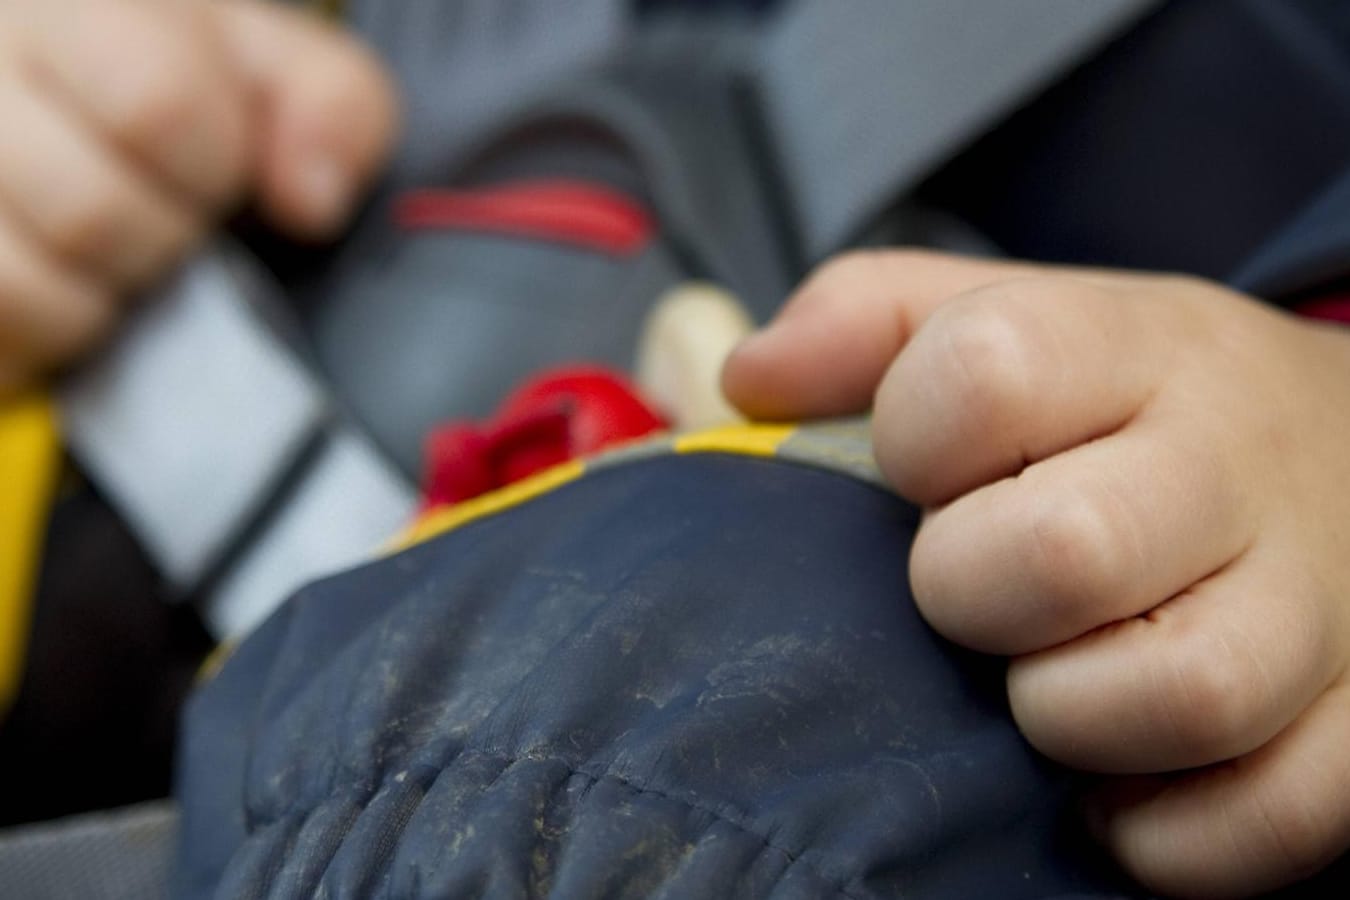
x: 555, y: 417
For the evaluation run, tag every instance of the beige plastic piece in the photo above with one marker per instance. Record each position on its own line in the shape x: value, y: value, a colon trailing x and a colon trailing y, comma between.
x: 688, y: 336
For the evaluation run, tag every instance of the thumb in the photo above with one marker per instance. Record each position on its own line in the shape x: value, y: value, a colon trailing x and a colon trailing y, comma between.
x: 828, y: 349
x: 325, y: 112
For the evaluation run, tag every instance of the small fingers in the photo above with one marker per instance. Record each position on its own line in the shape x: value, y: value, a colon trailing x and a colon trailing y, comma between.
x: 92, y: 210
x: 47, y: 313
x: 827, y: 350
x: 1096, y: 534
x: 1009, y: 374
x: 1247, y: 827
x: 213, y: 98
x: 152, y: 77
x: 327, y: 109
x: 1207, y: 676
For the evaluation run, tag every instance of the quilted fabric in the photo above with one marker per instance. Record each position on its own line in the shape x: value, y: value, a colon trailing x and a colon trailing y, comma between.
x: 684, y: 676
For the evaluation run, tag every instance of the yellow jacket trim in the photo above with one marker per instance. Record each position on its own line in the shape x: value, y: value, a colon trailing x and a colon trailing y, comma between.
x: 742, y: 440
x: 745, y: 440
x: 488, y: 504
x: 29, y: 465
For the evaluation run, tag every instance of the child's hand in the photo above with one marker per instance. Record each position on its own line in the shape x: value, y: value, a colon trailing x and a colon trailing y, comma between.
x: 1139, y: 487
x: 129, y: 125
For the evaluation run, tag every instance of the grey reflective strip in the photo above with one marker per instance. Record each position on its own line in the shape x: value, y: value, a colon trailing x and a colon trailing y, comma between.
x: 200, y: 422
x: 864, y: 98
x: 191, y: 420
x: 348, y: 504
x: 103, y: 856
x: 842, y: 445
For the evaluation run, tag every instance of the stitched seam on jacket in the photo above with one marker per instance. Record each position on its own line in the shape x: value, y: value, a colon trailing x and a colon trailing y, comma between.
x: 837, y: 882
x: 734, y: 818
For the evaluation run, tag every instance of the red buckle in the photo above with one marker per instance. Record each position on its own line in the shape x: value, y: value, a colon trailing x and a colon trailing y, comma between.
x: 555, y: 417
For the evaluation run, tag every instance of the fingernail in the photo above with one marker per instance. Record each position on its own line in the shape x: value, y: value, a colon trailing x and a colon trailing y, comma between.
x: 325, y: 192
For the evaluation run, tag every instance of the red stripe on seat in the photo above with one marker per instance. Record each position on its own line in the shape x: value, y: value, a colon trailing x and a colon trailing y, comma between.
x: 571, y: 212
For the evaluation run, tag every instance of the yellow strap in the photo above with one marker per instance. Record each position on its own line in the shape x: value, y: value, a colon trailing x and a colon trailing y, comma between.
x: 29, y: 464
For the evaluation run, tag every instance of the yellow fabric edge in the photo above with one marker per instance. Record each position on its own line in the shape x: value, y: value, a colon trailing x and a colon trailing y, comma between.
x: 29, y: 465
x: 452, y: 517
x: 215, y: 661
x: 747, y: 440
x: 743, y: 440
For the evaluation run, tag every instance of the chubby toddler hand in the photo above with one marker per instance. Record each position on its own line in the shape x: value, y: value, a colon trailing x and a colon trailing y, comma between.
x: 129, y: 125
x: 1138, y: 487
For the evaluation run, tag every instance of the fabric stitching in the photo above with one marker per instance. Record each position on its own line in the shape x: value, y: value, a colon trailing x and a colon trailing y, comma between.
x: 839, y: 884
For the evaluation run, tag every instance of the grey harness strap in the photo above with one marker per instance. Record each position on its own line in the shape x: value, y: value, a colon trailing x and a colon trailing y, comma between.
x: 200, y: 420
x: 463, y: 65
x: 863, y: 99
